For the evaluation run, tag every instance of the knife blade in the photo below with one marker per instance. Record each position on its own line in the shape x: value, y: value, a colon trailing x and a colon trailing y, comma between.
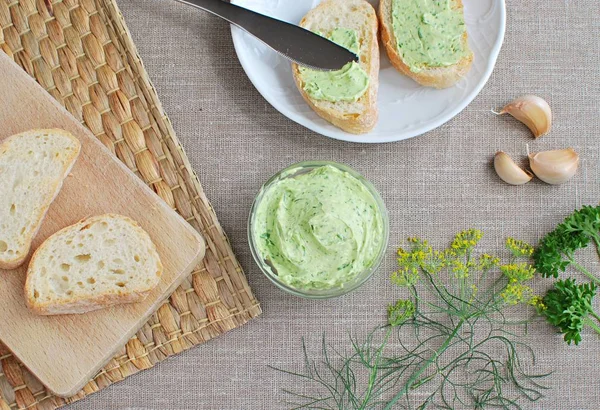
x: 293, y: 42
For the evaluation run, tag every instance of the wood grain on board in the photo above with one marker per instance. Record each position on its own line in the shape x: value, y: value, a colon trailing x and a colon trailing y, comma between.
x: 64, y: 352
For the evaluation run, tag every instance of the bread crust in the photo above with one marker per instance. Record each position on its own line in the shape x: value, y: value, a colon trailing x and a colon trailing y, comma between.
x: 356, y: 123
x: 79, y: 306
x: 436, y: 77
x: 87, y: 304
x: 15, y: 262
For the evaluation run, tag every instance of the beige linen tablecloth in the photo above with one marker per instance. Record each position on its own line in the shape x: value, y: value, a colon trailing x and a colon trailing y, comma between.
x: 434, y: 185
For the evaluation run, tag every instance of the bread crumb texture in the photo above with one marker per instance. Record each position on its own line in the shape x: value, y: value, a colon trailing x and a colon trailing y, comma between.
x: 106, y: 256
x: 32, y: 168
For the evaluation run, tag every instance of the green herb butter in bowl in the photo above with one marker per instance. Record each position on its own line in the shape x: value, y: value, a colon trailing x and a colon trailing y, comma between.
x: 318, y: 229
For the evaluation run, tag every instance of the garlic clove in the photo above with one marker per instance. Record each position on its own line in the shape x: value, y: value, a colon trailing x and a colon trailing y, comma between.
x: 554, y: 167
x: 509, y: 171
x: 532, y: 111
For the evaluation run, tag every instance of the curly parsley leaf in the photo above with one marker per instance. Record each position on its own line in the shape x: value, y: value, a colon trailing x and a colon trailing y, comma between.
x: 556, y: 250
x: 568, y: 306
x: 585, y: 222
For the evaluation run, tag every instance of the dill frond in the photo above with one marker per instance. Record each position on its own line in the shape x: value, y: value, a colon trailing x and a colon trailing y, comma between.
x: 449, y: 345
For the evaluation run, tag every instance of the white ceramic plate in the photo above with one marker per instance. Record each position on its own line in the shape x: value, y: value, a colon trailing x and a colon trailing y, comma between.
x: 406, y: 109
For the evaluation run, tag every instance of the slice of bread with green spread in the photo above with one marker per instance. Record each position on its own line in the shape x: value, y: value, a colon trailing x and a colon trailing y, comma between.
x: 33, y: 165
x: 426, y: 40
x: 347, y: 98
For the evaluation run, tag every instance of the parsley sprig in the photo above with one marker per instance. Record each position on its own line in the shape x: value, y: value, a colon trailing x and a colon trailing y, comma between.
x: 556, y: 250
x: 568, y: 306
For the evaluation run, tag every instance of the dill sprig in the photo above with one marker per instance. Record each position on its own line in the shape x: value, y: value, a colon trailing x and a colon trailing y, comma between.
x: 448, y: 345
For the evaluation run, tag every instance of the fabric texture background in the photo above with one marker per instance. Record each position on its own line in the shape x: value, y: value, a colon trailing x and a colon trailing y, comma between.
x: 434, y: 186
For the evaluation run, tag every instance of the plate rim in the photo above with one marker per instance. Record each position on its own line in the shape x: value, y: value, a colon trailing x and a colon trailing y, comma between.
x: 238, y: 34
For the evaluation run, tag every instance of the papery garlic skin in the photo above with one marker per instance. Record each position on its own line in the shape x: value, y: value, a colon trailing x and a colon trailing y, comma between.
x: 533, y: 111
x: 554, y: 167
x: 509, y: 171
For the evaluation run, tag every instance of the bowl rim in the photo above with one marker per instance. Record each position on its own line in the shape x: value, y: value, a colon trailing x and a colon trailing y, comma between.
x: 325, y: 293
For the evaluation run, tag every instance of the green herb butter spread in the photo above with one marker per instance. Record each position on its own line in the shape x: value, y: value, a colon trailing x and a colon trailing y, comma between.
x: 319, y: 229
x: 429, y: 33
x: 347, y: 84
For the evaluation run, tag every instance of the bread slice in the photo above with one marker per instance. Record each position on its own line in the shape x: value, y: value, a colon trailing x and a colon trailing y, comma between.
x: 437, y: 77
x: 354, y: 117
x: 33, y: 166
x: 97, y: 262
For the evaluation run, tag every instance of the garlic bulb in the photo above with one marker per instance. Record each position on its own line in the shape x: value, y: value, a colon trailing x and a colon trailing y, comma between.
x: 509, y: 171
x: 532, y: 111
x: 554, y: 167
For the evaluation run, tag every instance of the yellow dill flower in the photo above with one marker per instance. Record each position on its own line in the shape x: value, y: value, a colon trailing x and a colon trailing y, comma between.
x: 450, y: 253
x: 434, y: 262
x: 421, y: 256
x: 465, y: 241
x: 519, y: 248
x: 487, y: 262
x: 400, y: 312
x: 515, y: 293
x: 537, y: 302
x: 418, y: 245
x: 519, y: 272
x: 474, y: 291
x: 460, y: 269
x: 405, y: 276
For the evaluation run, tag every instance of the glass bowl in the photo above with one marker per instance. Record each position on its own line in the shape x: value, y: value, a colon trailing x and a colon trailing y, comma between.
x: 346, y: 287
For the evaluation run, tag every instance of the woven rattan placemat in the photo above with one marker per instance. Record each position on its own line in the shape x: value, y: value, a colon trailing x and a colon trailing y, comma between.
x: 81, y: 52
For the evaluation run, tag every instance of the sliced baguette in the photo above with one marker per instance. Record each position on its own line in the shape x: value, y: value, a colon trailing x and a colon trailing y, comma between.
x: 33, y: 166
x: 437, y: 77
x: 97, y: 262
x: 354, y: 117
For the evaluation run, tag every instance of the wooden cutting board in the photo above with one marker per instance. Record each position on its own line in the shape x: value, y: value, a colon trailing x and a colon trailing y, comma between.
x: 65, y: 352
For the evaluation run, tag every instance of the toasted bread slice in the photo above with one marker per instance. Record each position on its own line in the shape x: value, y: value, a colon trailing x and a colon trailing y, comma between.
x: 356, y: 117
x: 97, y: 262
x: 437, y: 77
x: 33, y: 166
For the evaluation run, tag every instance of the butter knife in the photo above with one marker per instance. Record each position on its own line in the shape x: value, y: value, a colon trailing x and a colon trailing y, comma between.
x: 293, y: 42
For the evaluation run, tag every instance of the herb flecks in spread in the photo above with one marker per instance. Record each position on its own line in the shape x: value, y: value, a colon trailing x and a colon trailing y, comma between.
x: 318, y: 229
x: 449, y: 344
x: 347, y: 84
x: 429, y: 33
